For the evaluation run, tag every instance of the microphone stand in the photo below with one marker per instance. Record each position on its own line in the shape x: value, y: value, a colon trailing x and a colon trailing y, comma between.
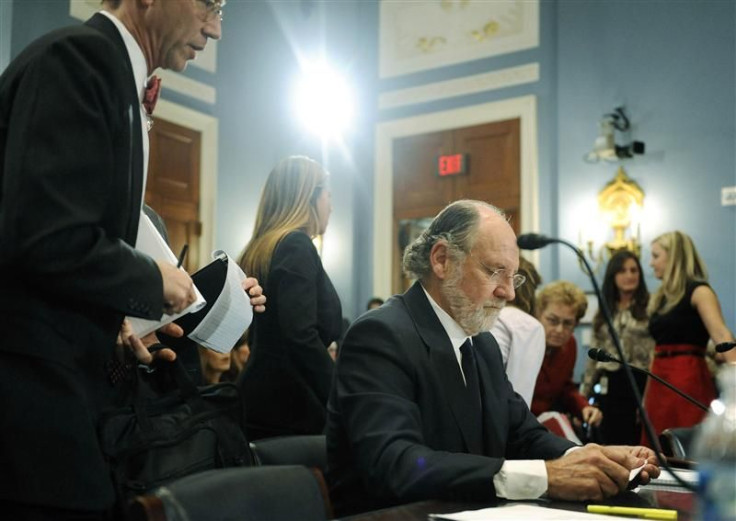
x: 605, y: 357
x: 627, y: 368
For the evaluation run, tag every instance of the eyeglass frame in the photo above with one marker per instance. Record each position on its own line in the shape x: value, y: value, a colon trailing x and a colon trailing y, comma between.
x: 556, y: 321
x: 213, y: 8
x: 517, y: 279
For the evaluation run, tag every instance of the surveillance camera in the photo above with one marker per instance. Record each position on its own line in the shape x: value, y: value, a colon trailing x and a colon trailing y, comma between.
x: 628, y: 151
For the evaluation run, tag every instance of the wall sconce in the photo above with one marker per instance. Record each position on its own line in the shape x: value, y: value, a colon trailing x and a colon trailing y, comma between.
x: 620, y: 204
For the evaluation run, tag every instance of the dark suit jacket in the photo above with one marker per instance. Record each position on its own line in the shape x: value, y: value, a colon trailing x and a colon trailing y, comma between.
x: 398, y: 430
x: 287, y: 380
x: 71, y: 172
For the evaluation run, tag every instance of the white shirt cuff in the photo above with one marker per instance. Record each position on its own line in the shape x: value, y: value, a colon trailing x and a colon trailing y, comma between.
x: 521, y: 479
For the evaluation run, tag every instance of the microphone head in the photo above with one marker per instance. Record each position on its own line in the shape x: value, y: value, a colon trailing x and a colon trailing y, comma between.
x: 533, y: 241
x: 725, y: 346
x: 593, y: 353
x: 599, y: 355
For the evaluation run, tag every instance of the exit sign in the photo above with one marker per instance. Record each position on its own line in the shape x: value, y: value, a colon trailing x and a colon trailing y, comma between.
x: 452, y: 164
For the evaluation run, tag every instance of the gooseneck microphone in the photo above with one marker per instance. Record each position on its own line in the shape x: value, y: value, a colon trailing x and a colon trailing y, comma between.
x: 533, y: 241
x: 725, y: 346
x: 599, y: 355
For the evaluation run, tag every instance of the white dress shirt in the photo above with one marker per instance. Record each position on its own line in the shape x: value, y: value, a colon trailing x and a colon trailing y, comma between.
x: 516, y: 479
x: 140, y: 73
x: 521, y: 339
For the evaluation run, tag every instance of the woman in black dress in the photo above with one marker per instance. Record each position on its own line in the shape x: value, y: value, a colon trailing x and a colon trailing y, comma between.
x: 684, y: 314
x: 287, y: 380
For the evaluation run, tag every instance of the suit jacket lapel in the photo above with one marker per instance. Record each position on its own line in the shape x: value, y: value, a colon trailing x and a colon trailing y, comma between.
x: 133, y: 115
x: 444, y: 362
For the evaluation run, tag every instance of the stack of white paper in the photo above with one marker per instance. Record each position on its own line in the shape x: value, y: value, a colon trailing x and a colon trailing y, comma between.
x: 230, y: 315
x: 151, y: 243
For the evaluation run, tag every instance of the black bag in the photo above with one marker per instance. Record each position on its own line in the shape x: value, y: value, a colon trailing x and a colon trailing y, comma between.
x: 159, y: 439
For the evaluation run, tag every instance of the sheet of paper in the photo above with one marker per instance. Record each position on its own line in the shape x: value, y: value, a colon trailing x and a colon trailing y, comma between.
x: 635, y: 472
x: 230, y: 315
x: 150, y: 242
x: 518, y: 511
x: 666, y: 479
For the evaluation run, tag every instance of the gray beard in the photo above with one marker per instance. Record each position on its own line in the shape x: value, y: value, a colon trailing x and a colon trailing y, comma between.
x: 473, y: 319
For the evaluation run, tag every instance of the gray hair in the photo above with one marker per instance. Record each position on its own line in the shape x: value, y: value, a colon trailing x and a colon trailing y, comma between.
x: 457, y: 225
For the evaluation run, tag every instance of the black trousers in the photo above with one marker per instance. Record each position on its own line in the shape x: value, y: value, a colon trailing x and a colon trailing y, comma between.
x: 621, y: 424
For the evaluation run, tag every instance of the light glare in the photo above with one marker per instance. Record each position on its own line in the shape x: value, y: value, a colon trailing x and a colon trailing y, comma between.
x: 323, y: 102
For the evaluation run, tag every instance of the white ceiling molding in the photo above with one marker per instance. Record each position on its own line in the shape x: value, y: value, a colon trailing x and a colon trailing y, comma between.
x: 488, y: 81
x: 524, y: 108
x: 427, y: 34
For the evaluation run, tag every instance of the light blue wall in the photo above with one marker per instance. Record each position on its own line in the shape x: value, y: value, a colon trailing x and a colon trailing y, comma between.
x: 671, y: 63
x: 258, y: 68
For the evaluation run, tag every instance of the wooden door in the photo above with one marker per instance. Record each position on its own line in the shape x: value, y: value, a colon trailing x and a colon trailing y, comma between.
x: 493, y: 175
x: 172, y: 188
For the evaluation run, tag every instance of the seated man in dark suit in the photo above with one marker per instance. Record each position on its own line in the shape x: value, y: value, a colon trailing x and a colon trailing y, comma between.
x: 421, y: 407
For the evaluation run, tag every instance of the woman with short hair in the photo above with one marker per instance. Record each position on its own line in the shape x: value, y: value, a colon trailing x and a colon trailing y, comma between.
x: 560, y: 306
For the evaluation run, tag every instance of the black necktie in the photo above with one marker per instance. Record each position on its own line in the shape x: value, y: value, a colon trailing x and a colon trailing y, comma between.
x: 470, y: 370
x: 472, y: 403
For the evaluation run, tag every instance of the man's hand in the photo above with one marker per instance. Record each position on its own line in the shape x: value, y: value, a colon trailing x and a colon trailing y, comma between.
x: 650, y: 470
x: 592, y: 415
x: 178, y: 288
x: 591, y: 472
x: 139, y: 346
x: 255, y: 292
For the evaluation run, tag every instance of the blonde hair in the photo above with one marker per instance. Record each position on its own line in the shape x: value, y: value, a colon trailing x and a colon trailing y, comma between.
x: 565, y: 293
x: 287, y: 204
x: 683, y: 265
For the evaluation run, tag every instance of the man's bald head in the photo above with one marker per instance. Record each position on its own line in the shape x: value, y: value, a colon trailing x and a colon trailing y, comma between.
x: 457, y: 224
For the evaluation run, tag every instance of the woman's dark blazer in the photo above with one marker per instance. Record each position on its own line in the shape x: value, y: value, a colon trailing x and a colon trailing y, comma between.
x: 287, y: 380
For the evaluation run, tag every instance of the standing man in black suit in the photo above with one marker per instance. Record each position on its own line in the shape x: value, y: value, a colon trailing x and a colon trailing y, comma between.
x: 73, y: 158
x: 421, y: 407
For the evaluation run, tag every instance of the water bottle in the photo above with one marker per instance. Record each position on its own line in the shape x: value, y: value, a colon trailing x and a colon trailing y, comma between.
x: 715, y: 452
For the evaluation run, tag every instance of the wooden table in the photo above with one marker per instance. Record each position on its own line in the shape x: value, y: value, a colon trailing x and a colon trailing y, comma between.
x: 646, y: 497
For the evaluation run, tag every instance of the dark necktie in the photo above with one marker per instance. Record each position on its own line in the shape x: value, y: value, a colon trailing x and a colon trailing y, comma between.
x: 470, y: 370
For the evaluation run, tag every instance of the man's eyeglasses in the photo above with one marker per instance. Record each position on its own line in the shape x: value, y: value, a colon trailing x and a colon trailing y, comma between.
x: 502, y: 275
x: 213, y: 9
x: 554, y: 322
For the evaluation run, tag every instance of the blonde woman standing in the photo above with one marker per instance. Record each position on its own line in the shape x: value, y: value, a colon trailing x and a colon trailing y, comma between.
x: 684, y: 313
x: 287, y: 380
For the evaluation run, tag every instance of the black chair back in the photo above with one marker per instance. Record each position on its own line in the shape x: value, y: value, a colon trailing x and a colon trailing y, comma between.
x: 276, y: 493
x: 676, y: 442
x: 309, y: 451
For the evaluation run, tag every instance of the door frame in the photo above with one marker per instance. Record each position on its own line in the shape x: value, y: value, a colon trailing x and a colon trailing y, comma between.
x: 208, y: 127
x: 523, y: 107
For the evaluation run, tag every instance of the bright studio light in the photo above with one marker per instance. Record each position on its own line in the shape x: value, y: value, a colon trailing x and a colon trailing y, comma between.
x: 323, y: 101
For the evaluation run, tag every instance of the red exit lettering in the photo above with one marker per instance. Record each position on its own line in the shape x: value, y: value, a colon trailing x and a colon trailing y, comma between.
x: 450, y: 164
